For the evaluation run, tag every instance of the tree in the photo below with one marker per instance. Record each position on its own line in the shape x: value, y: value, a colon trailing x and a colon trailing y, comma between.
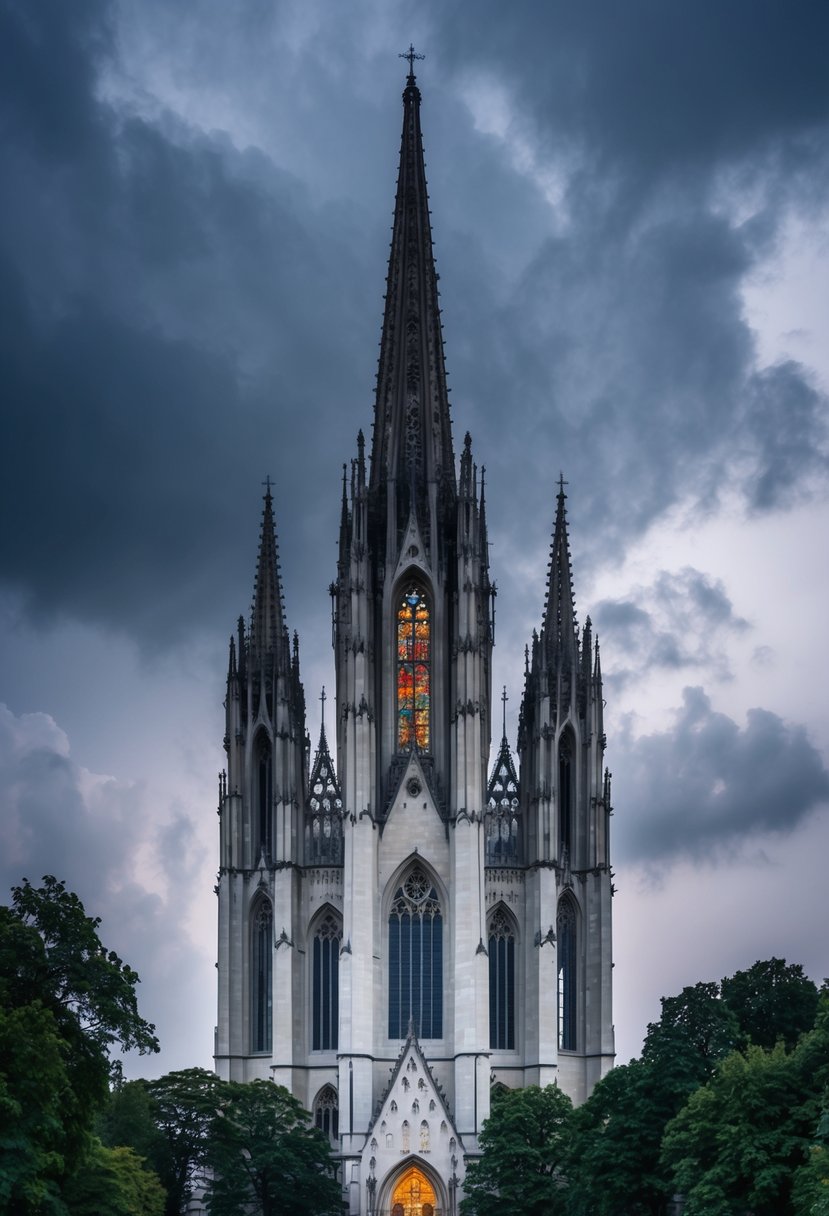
x: 183, y: 1106
x: 696, y: 1030
x: 772, y: 1000
x: 524, y: 1143
x: 739, y: 1141
x: 265, y: 1157
x: 115, y: 1181
x: 67, y: 1002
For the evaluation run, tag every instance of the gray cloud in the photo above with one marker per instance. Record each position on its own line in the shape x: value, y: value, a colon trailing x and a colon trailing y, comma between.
x: 100, y: 835
x: 708, y: 787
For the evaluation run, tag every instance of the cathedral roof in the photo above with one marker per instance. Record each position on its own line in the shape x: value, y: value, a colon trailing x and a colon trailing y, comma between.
x: 412, y: 440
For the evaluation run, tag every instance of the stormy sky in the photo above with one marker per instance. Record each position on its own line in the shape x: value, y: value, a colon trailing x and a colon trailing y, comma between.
x: 631, y: 227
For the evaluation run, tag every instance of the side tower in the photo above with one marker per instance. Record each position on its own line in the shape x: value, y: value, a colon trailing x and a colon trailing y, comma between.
x: 565, y: 810
x: 412, y: 612
x: 262, y: 797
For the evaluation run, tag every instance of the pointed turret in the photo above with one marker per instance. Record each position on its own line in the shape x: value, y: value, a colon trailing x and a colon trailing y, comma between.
x: 323, y: 826
x: 502, y: 804
x: 268, y: 633
x: 412, y: 443
x: 559, y: 627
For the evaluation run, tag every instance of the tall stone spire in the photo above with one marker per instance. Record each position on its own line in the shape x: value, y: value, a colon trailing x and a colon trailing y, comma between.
x: 268, y: 631
x: 412, y: 443
x: 559, y: 626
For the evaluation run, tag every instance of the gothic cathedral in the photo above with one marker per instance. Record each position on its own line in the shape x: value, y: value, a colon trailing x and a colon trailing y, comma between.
x: 398, y: 930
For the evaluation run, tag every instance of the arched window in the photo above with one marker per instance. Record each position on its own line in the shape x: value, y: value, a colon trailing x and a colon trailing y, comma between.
x: 567, y: 965
x: 263, y: 794
x: 414, y: 684
x: 325, y: 989
x: 327, y: 1113
x: 416, y: 959
x: 261, y: 974
x: 565, y: 793
x: 501, y: 982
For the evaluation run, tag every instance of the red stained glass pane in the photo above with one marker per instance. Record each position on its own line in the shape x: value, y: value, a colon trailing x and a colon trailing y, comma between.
x: 413, y: 672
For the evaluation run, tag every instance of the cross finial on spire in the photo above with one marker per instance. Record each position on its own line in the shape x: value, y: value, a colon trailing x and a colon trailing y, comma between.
x: 561, y: 484
x: 267, y: 483
x: 411, y: 55
x: 504, y: 699
x: 323, y: 699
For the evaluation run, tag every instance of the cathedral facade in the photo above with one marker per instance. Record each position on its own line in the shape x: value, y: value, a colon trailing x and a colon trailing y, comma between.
x: 400, y: 928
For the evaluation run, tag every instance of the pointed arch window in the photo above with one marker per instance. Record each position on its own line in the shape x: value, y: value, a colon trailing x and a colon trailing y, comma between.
x: 565, y: 793
x: 261, y: 971
x: 501, y: 982
x: 325, y: 984
x: 263, y: 794
x: 414, y: 670
x: 416, y: 959
x: 567, y: 963
x: 327, y: 1114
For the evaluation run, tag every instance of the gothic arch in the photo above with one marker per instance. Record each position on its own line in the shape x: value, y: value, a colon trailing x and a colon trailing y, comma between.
x: 568, y: 938
x: 261, y: 974
x: 262, y: 793
x: 566, y: 786
x: 502, y: 949
x: 325, y: 931
x: 396, y: 1181
x: 413, y: 645
x: 326, y: 1113
x: 414, y: 916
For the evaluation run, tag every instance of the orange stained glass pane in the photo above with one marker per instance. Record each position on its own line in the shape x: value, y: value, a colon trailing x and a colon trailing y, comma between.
x: 413, y: 1191
x: 413, y: 677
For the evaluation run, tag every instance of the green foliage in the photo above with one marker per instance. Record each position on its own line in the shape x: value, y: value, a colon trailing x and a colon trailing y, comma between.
x: 771, y: 1000
x: 741, y: 1138
x: 524, y: 1144
x: 265, y: 1158
x: 114, y: 1181
x: 696, y: 1031
x: 66, y: 1001
x: 183, y: 1106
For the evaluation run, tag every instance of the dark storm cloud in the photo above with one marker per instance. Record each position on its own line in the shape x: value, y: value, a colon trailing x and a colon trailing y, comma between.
x: 91, y: 831
x: 164, y: 296
x: 682, y: 619
x: 708, y: 787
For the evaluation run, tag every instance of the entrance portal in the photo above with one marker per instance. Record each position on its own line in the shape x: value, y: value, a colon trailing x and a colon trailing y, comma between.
x: 414, y: 1195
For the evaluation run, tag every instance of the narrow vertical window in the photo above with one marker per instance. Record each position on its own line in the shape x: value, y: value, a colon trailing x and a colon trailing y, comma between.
x: 327, y: 1114
x: 325, y: 990
x: 501, y: 983
x: 565, y: 794
x: 263, y: 794
x: 416, y: 959
x: 567, y: 963
x: 414, y: 638
x: 261, y: 977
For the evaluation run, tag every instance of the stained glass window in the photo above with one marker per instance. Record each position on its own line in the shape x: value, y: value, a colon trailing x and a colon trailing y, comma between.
x: 566, y: 936
x: 327, y: 1114
x: 501, y: 982
x: 414, y: 639
x: 261, y: 976
x: 416, y: 959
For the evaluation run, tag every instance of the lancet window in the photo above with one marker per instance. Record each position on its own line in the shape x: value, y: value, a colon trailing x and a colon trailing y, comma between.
x: 261, y: 973
x: 327, y: 1113
x: 416, y: 959
x: 565, y: 793
x: 325, y: 988
x: 501, y: 982
x: 263, y: 794
x: 566, y: 927
x: 414, y: 670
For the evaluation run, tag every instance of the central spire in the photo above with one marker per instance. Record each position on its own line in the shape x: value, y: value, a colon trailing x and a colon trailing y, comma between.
x: 412, y: 443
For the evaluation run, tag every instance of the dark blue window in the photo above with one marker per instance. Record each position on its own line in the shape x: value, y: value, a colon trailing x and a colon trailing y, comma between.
x: 501, y: 983
x: 261, y: 976
x: 567, y: 961
x: 325, y: 956
x: 416, y: 959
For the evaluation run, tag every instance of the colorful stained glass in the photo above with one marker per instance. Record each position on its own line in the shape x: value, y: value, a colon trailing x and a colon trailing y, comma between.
x: 414, y: 636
